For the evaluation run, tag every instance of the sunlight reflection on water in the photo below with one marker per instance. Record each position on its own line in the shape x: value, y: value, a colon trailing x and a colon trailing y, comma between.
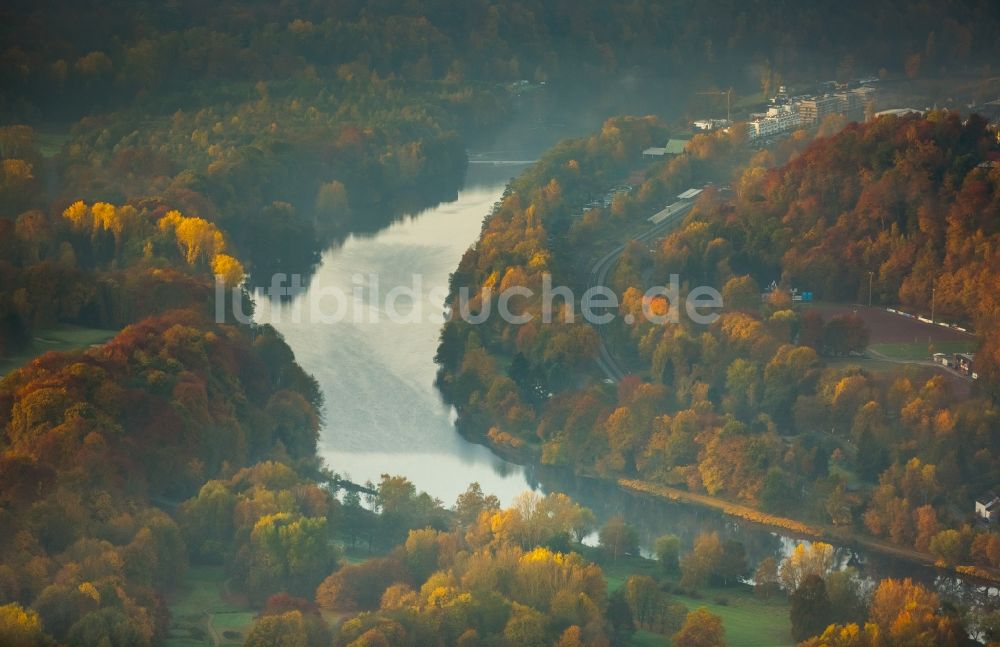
x: 382, y: 412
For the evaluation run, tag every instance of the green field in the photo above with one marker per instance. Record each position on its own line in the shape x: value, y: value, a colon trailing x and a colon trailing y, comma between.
x: 360, y: 554
x: 921, y: 350
x: 61, y: 337
x: 849, y: 477
x: 643, y: 638
x: 748, y: 620
x: 200, y: 608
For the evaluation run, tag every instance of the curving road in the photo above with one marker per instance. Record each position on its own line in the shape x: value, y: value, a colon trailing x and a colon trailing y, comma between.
x: 598, y: 277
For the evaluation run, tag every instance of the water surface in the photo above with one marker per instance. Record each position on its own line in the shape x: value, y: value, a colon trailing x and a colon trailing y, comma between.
x: 383, y: 413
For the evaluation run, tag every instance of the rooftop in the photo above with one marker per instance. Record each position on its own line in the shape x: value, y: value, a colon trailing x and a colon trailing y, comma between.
x: 676, y: 146
x: 899, y: 112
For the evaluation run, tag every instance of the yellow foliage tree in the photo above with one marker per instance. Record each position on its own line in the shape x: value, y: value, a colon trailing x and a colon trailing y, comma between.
x: 19, y: 626
x: 228, y: 269
x: 105, y: 217
x: 196, y: 237
x: 78, y: 214
x: 102, y: 216
x: 813, y: 559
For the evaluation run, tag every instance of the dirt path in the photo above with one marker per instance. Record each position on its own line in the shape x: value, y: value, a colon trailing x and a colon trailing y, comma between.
x: 212, y: 633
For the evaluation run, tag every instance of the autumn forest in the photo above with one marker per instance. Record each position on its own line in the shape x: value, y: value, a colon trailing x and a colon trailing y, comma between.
x: 818, y: 465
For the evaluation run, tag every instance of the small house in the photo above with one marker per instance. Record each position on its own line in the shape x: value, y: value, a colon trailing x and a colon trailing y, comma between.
x: 987, y: 506
x: 965, y: 363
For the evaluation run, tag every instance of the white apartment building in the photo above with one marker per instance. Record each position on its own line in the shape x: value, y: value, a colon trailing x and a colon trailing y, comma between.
x: 777, y: 119
x: 809, y: 110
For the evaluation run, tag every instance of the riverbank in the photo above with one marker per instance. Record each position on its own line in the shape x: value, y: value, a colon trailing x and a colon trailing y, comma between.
x: 732, y: 509
x: 529, y: 456
x: 831, y: 534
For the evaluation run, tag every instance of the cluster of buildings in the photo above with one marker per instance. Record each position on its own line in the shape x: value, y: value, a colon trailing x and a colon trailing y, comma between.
x: 796, y: 294
x: 708, y: 125
x: 787, y: 113
x: 964, y: 363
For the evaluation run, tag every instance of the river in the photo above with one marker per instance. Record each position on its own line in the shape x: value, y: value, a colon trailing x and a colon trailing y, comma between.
x: 383, y: 414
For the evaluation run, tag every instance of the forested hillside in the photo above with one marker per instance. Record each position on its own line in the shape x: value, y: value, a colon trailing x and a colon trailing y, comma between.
x: 290, y: 125
x: 914, y: 201
x: 759, y: 406
x: 104, y: 54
